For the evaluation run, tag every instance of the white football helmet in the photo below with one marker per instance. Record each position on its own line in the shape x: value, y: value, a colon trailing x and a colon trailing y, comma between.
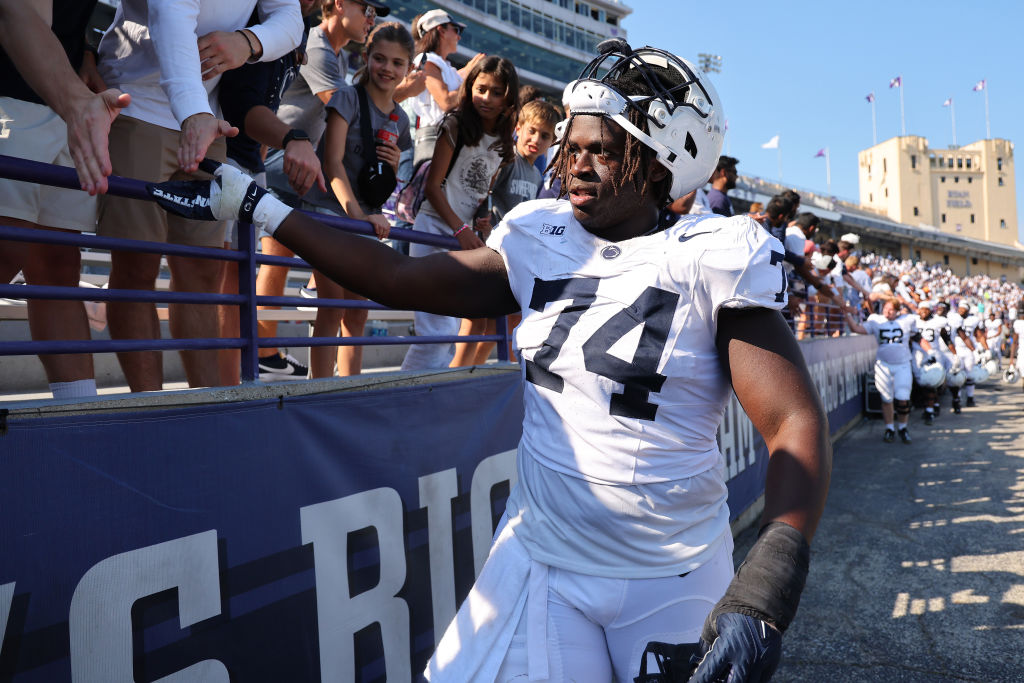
x: 931, y: 374
x: 977, y: 374
x: 684, y: 121
x: 992, y: 367
x: 1011, y: 375
x: 956, y: 378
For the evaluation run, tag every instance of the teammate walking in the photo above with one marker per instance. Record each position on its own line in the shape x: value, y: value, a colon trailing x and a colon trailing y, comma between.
x: 617, y: 533
x: 893, y: 373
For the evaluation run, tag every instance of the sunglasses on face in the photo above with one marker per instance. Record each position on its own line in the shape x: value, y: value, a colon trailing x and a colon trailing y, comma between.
x: 455, y: 27
x: 368, y: 11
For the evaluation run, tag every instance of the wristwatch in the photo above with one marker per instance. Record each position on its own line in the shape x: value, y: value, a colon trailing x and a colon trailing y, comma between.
x: 294, y: 134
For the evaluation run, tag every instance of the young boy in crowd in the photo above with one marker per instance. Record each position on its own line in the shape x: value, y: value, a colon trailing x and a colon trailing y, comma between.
x: 520, y: 181
x: 515, y: 183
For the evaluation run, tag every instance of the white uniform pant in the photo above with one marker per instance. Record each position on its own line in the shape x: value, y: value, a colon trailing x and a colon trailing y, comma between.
x: 599, y: 627
x: 967, y: 364
x: 894, y: 380
x: 524, y: 620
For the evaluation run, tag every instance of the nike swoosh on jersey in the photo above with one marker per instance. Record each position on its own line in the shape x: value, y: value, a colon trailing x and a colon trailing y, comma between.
x: 683, y: 238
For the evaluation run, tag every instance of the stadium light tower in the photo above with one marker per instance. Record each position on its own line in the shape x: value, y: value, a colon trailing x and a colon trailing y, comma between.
x: 709, y: 63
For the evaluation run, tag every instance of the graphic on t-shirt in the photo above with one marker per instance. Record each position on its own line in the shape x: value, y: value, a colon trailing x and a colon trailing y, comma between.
x: 475, y: 177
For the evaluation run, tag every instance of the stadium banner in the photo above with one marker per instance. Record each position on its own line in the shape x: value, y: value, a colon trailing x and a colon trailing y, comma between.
x: 836, y: 366
x: 319, y: 537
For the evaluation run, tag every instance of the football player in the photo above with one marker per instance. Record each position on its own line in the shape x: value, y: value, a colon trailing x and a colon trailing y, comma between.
x: 893, y: 371
x: 617, y: 532
x: 1016, y: 352
x: 933, y: 331
x: 963, y: 327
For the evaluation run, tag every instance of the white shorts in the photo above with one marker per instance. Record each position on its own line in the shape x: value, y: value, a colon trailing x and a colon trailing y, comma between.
x: 34, y: 131
x: 893, y: 381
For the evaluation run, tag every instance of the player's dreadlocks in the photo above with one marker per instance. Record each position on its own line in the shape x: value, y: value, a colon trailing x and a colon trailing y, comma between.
x: 637, y: 156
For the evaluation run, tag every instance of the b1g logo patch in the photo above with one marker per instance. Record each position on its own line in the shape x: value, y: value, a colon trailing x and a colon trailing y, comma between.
x: 547, y: 229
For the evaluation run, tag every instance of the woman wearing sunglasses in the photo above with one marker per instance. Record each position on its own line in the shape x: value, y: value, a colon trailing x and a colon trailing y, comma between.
x: 437, y: 37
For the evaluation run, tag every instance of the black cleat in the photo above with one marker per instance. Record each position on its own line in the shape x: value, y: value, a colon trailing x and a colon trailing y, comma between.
x: 937, y: 407
x: 970, y: 402
x: 929, y: 418
x: 904, y: 435
x: 890, y: 436
x: 956, y: 407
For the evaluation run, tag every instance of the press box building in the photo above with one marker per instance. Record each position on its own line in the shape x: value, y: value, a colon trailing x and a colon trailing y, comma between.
x: 965, y: 192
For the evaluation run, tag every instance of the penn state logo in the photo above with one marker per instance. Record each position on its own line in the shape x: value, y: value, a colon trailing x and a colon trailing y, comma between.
x: 611, y: 252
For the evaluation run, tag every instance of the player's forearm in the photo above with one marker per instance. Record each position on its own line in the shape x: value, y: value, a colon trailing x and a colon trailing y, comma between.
x: 799, y: 469
x: 438, y: 283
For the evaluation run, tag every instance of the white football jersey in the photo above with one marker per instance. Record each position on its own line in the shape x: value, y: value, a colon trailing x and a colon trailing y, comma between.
x: 931, y: 331
x: 619, y: 469
x: 993, y: 329
x: 617, y: 341
x: 968, y: 325
x: 893, y: 338
x: 1018, y: 330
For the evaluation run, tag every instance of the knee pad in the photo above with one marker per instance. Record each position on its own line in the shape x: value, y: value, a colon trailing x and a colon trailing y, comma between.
x: 969, y: 383
x: 902, y: 407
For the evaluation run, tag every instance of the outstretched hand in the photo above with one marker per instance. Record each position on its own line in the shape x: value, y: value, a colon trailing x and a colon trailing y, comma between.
x: 88, y: 132
x: 197, y: 134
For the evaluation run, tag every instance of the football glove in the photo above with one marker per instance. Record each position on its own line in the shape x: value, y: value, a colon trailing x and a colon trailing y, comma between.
x: 746, y: 649
x: 675, y: 663
x: 231, y: 195
x: 743, y: 633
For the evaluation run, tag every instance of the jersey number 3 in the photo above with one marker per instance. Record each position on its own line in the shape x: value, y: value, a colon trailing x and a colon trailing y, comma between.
x: 653, y: 309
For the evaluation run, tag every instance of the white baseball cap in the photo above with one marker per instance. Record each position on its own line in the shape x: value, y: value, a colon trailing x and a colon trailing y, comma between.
x: 435, y: 18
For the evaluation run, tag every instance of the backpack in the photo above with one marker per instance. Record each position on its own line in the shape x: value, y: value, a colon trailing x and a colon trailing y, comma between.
x: 411, y: 197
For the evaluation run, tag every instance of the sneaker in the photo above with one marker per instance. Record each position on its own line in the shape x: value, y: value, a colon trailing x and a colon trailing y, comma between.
x: 929, y: 418
x: 280, y: 367
x: 890, y: 436
x: 904, y: 435
x: 970, y: 402
x: 307, y: 293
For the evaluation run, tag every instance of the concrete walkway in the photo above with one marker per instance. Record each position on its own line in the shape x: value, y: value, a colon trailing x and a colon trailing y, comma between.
x: 917, y: 568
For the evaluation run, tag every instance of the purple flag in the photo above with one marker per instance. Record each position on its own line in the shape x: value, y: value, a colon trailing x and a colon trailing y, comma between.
x: 870, y: 97
x: 821, y: 153
x: 896, y: 82
x: 980, y: 85
x: 948, y: 102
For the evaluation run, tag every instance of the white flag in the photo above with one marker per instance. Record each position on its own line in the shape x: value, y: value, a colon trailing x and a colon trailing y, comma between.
x: 771, y: 144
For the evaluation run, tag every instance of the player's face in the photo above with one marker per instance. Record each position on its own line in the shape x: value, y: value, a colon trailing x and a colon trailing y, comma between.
x: 924, y: 313
x: 596, y: 149
x: 890, y: 311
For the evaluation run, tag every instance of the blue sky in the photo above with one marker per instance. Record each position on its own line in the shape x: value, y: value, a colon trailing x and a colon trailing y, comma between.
x: 801, y: 70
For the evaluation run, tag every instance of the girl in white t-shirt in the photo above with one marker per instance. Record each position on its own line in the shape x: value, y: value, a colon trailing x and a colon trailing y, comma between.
x: 475, y: 139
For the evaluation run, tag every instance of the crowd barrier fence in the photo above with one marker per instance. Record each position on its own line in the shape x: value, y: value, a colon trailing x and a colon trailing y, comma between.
x: 247, y: 300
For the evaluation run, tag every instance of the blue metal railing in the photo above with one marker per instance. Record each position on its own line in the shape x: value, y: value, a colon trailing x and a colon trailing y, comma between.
x: 247, y: 257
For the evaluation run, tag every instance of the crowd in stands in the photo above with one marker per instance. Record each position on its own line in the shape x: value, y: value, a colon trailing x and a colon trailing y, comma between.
x: 267, y: 88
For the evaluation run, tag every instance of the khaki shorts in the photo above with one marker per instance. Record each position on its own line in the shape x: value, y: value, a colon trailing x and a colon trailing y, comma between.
x: 148, y: 152
x: 34, y: 131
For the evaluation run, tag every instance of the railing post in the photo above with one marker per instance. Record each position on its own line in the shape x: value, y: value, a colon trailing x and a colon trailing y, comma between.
x: 503, y: 347
x: 247, y: 312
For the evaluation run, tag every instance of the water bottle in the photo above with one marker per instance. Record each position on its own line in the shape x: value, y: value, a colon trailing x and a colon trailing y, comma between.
x: 378, y: 328
x: 389, y: 133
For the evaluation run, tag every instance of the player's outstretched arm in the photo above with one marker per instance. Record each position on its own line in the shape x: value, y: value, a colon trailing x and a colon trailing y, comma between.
x: 470, y: 284
x: 743, y: 633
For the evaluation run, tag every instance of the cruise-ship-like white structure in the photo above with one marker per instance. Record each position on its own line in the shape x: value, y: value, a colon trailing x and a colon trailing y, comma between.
x: 549, y: 41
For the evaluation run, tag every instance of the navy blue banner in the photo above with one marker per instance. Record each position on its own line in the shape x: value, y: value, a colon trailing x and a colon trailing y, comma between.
x: 324, y: 537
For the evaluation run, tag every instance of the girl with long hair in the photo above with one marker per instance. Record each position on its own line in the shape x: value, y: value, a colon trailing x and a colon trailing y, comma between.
x: 388, y: 55
x: 475, y: 139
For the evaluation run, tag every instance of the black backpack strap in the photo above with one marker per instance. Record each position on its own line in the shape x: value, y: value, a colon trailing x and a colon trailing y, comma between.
x: 366, y: 127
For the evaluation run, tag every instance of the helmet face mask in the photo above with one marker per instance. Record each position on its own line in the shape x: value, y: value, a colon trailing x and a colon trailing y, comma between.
x: 683, y: 120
